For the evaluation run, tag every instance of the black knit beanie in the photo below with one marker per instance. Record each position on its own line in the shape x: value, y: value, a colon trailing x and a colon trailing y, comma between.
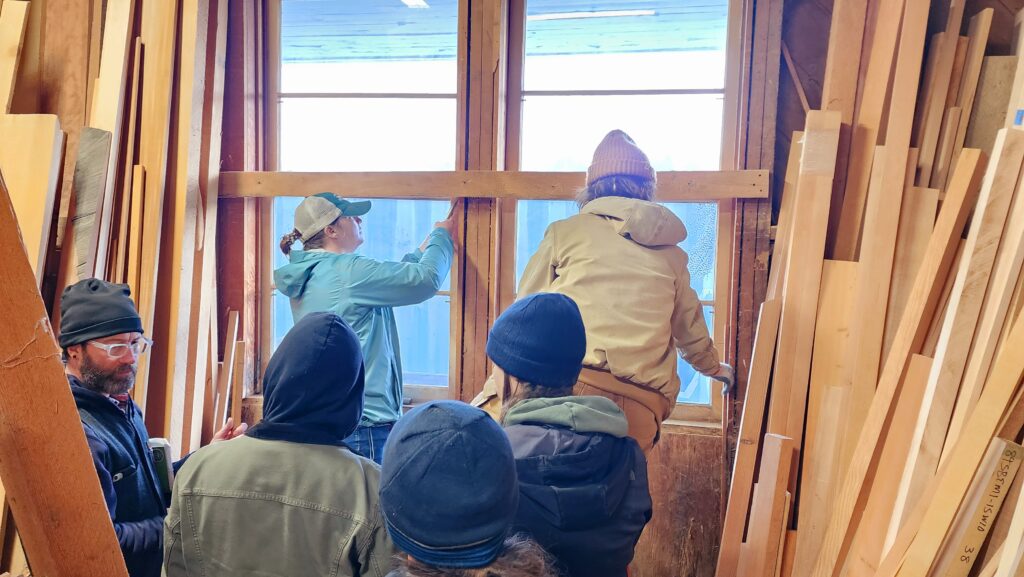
x: 93, y: 309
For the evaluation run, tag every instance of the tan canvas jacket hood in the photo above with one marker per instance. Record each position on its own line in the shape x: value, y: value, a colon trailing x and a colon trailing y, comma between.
x: 620, y: 261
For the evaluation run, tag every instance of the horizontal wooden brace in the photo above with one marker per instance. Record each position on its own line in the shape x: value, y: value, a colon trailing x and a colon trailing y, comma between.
x: 672, y: 186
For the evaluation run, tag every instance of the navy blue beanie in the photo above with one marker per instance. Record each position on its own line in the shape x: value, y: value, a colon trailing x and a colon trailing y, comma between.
x: 540, y: 340
x: 448, y: 486
x: 93, y: 308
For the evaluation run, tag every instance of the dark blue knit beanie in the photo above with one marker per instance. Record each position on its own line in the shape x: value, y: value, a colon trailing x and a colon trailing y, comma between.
x: 93, y: 309
x: 540, y: 340
x: 448, y: 486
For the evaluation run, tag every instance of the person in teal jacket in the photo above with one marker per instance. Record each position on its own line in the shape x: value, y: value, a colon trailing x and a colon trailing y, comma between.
x: 327, y: 276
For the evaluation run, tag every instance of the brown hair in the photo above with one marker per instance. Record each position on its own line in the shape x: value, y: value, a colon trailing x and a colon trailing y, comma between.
x: 617, y: 185
x: 522, y: 557
x: 519, y: 390
x: 315, y: 241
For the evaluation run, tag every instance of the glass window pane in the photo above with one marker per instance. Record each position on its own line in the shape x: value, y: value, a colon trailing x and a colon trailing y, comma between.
x: 695, y: 387
x: 331, y: 46
x: 701, y: 220
x: 677, y: 132
x: 625, y: 44
x: 392, y: 229
x: 379, y: 134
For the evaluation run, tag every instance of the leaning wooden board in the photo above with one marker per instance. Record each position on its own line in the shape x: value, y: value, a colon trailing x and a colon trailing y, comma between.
x: 31, y: 155
x: 13, y: 19
x: 65, y: 526
x: 909, y: 337
x: 158, y: 35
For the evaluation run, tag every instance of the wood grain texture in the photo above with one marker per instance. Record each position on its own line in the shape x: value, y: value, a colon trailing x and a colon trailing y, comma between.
x: 967, y: 455
x: 873, y: 98
x: 65, y: 527
x: 923, y: 300
x: 31, y: 156
x: 90, y: 181
x: 749, y: 439
x: 917, y: 219
x: 803, y: 276
x: 935, y: 94
x: 978, y: 35
x: 768, y: 509
x: 13, y: 21
x: 672, y: 186
x: 827, y: 409
x: 991, y: 100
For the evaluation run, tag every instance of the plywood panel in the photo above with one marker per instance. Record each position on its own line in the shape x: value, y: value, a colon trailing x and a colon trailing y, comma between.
x: 31, y: 156
x: 993, y: 96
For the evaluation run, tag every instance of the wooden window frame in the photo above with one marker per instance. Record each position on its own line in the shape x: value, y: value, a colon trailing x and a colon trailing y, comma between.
x: 505, y: 133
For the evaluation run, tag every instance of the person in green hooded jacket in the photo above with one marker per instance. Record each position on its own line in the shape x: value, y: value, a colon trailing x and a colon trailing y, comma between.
x: 328, y: 276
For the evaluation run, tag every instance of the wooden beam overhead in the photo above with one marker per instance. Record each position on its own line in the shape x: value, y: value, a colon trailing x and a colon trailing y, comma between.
x: 672, y: 186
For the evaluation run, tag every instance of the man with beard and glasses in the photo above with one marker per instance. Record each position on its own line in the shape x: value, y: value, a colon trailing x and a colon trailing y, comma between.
x: 101, y: 337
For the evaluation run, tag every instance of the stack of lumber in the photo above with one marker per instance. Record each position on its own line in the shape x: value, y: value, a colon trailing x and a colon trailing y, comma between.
x: 884, y: 412
x: 127, y: 190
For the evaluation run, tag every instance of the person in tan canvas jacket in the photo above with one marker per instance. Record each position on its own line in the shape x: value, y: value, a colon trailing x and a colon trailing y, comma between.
x: 620, y: 260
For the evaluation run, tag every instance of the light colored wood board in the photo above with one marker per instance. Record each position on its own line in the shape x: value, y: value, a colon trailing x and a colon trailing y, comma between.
x: 1001, y: 528
x: 90, y: 186
x: 870, y: 543
x: 780, y: 252
x: 64, y: 526
x: 897, y: 553
x: 1016, y: 308
x: 803, y: 277
x: 984, y: 507
x: 956, y: 77
x: 927, y: 80
x: 826, y: 410
x: 839, y: 86
x: 238, y: 384
x: 31, y: 156
x: 176, y: 297
x: 882, y: 214
x: 225, y: 376
x: 931, y: 341
x: 749, y: 440
x: 788, y: 551
x: 26, y: 98
x: 204, y: 281
x: 1016, y: 101
x: 944, y: 152
x: 968, y: 452
x: 917, y: 219
x: 986, y: 231
x: 873, y: 98
x: 787, y: 507
x: 991, y: 565
x: 797, y: 85
x: 1005, y: 277
x: 154, y: 125
x: 13, y: 20
x: 909, y: 337
x: 127, y: 158
x: 672, y: 186
x: 992, y: 98
x: 936, y: 93
x: 1011, y: 561
x: 108, y: 106
x: 768, y: 508
x: 978, y: 31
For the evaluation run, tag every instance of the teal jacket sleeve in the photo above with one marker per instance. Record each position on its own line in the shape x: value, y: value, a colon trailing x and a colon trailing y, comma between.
x: 383, y: 283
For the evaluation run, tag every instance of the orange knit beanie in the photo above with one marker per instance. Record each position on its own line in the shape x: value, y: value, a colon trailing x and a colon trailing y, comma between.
x: 619, y: 155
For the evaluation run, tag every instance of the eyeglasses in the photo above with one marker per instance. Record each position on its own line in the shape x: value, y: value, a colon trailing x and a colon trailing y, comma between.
x: 120, y: 350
